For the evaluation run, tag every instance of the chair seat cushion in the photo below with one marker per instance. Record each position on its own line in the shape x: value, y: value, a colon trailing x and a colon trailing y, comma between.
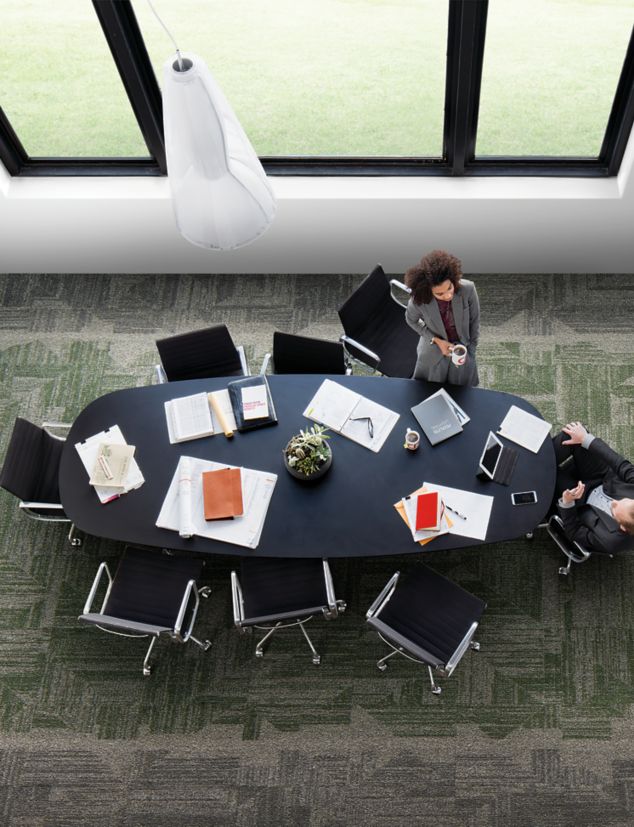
x: 431, y: 612
x: 149, y: 586
x: 277, y: 586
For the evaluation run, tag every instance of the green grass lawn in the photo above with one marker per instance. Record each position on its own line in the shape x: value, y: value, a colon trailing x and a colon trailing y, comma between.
x: 323, y: 77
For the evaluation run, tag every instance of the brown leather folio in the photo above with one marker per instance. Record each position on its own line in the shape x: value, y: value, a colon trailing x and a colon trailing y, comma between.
x: 222, y: 494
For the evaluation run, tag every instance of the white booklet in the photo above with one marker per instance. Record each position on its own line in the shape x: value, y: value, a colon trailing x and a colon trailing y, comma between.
x: 88, y: 451
x: 524, y: 428
x: 191, y: 417
x: 257, y: 489
x: 351, y: 415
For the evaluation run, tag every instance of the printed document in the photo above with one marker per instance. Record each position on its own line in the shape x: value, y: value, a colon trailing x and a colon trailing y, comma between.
x: 88, y: 451
x: 351, y: 415
x: 245, y: 530
x: 191, y: 417
x: 524, y: 428
x: 470, y: 512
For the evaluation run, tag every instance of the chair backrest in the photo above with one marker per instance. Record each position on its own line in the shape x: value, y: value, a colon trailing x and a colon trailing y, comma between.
x: 371, y: 317
x: 200, y: 354
x: 31, y: 465
x: 303, y: 354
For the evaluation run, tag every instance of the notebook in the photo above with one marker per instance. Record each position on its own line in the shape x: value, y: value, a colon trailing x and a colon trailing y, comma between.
x: 437, y: 419
x: 244, y: 395
x: 222, y: 494
x: 428, y: 511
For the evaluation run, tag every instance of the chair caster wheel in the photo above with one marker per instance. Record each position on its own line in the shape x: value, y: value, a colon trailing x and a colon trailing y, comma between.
x: 474, y: 645
x: 259, y: 653
x: 437, y: 690
x: 207, y: 645
x: 316, y: 660
x: 563, y: 570
x: 529, y: 535
x: 76, y: 542
x: 147, y: 671
x: 382, y: 666
x: 205, y: 591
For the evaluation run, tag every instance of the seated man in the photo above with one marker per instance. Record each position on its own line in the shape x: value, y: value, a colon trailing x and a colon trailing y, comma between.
x: 596, y: 492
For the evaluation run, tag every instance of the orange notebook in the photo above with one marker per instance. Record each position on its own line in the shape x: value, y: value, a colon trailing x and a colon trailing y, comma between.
x: 222, y: 494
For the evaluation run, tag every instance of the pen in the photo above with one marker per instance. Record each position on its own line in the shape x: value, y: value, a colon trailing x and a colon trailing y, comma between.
x: 453, y: 511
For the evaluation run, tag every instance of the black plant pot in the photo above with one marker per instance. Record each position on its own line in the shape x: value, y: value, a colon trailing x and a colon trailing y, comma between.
x: 319, y: 473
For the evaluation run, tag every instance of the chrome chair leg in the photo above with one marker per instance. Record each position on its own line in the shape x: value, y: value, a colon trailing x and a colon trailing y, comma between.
x: 382, y: 664
x: 434, y: 686
x: 316, y: 655
x: 565, y: 570
x: 147, y: 669
x: 259, y: 652
x: 204, y: 644
x: 72, y: 539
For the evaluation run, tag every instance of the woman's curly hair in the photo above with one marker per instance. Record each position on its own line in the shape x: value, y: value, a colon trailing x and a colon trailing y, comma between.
x: 432, y: 270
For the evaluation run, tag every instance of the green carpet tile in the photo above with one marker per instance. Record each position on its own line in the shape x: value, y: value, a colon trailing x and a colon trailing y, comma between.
x: 534, y: 730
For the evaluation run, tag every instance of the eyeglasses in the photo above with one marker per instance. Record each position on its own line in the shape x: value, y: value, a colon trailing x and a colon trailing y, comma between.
x: 367, y: 419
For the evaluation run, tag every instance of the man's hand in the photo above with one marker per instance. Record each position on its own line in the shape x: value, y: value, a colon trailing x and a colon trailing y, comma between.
x: 576, y: 432
x: 443, y: 346
x: 572, y: 494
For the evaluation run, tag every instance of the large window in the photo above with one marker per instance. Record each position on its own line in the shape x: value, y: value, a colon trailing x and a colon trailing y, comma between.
x: 359, y: 87
x: 550, y: 73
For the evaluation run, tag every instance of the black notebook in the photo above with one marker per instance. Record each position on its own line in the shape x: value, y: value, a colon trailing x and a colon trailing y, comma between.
x: 436, y: 419
x: 252, y: 409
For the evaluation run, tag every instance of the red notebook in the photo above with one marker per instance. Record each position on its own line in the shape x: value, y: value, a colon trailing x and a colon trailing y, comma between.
x: 428, y: 511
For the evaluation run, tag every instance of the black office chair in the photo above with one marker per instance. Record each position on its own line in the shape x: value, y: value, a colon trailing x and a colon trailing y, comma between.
x: 303, y: 354
x: 30, y: 472
x: 428, y: 619
x: 574, y: 551
x: 199, y: 355
x: 151, y: 594
x: 375, y: 331
x: 275, y: 593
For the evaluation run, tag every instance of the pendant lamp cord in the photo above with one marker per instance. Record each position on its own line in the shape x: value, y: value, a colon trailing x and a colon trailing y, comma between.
x: 181, y: 67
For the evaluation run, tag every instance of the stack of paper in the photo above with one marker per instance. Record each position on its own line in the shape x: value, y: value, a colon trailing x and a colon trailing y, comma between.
x: 524, y: 428
x: 351, y: 415
x: 244, y: 530
x: 89, y: 450
x: 407, y: 508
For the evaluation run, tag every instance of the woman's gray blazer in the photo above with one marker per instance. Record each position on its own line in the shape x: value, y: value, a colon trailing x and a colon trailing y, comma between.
x: 425, y: 319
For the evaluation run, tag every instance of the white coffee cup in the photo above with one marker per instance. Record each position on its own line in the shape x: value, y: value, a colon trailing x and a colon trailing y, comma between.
x: 458, y: 355
x: 412, y: 440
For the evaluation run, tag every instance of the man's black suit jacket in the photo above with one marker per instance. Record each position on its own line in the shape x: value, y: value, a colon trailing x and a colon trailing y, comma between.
x: 590, y: 526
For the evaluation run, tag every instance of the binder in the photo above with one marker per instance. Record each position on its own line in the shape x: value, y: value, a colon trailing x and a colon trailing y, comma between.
x: 437, y: 419
x: 222, y: 494
x: 235, y: 395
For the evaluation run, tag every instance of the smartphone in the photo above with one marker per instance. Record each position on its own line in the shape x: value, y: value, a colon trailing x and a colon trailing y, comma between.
x: 524, y: 498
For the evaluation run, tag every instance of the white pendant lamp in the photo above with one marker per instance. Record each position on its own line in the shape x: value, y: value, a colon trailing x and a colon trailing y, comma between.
x: 222, y: 198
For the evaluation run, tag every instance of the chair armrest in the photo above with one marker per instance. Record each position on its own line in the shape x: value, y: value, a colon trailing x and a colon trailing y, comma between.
x: 265, y: 363
x: 399, y: 292
x: 27, y: 505
x: 190, y: 589
x: 555, y: 528
x: 348, y: 341
x: 238, y: 602
x: 381, y: 600
x: 243, y: 360
x: 453, y: 661
x: 95, y: 585
x: 64, y: 426
x: 160, y: 375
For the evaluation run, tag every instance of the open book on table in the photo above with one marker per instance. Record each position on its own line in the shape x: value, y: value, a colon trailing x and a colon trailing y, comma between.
x: 192, y: 417
x: 351, y: 415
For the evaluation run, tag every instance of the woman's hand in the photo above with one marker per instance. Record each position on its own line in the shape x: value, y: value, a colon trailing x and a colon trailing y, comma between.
x: 572, y: 494
x: 443, y: 345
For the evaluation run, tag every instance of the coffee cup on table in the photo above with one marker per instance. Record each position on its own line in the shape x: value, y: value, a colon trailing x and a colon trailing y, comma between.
x: 412, y: 440
x: 458, y: 354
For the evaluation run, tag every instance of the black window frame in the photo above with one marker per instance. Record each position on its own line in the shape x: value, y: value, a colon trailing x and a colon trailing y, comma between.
x: 465, y: 54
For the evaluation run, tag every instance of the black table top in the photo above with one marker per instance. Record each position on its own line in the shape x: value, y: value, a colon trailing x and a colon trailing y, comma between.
x: 349, y: 512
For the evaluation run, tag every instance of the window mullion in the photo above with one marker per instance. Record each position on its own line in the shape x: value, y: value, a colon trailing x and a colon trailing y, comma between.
x: 465, y: 53
x: 133, y: 63
x: 621, y: 117
x: 12, y: 153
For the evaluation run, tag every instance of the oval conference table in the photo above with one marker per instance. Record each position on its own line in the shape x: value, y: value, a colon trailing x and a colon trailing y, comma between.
x: 348, y: 512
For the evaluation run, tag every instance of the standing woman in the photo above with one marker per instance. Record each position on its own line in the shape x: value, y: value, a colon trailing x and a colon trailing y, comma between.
x: 444, y: 310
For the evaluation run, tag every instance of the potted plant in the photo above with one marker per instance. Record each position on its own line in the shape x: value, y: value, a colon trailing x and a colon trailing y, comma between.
x: 307, y: 455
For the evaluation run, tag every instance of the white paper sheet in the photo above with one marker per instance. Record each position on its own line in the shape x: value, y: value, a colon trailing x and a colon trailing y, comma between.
x: 88, y: 451
x: 257, y: 489
x: 475, y: 507
x: 524, y: 428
